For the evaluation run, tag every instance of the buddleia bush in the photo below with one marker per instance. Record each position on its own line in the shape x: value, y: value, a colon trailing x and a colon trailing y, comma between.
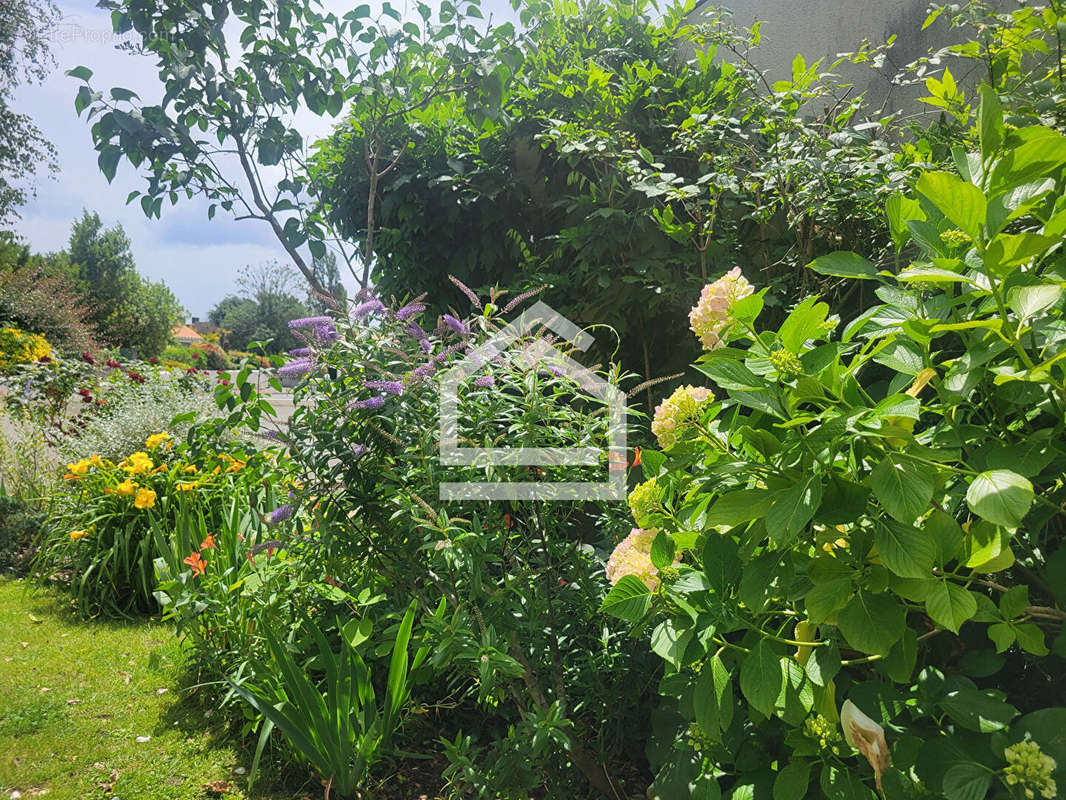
x: 543, y: 696
x: 853, y: 565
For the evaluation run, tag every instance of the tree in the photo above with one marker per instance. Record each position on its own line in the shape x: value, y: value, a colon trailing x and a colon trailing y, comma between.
x: 262, y: 312
x: 128, y: 310
x: 24, y: 57
x: 292, y: 56
x: 327, y: 274
x: 629, y: 164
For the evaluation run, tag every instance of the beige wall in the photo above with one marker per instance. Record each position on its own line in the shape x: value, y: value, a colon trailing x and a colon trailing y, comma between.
x: 823, y: 28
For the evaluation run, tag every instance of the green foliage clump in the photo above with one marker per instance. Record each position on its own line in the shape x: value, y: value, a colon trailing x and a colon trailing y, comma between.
x: 876, y: 518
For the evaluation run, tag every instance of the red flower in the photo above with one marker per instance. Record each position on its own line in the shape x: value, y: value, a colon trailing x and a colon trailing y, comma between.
x: 223, y: 382
x: 208, y: 543
x: 113, y: 364
x: 153, y: 360
x: 193, y: 370
x: 507, y: 519
x: 197, y: 563
x: 251, y: 558
x: 85, y: 393
x: 44, y: 360
x: 88, y: 359
x: 195, y: 355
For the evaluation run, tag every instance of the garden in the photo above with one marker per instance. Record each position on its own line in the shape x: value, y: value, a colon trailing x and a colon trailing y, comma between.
x: 838, y: 569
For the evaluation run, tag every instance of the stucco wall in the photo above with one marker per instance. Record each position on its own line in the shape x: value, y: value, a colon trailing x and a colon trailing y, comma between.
x: 823, y: 28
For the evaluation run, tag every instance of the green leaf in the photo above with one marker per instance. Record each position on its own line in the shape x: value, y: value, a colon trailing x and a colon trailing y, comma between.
x: 804, y: 323
x: 1002, y: 636
x: 949, y: 605
x: 669, y: 641
x: 123, y: 95
x: 761, y: 677
x: 81, y: 73
x: 663, y: 550
x: 356, y: 631
x: 1028, y: 301
x: 1014, y: 601
x: 629, y: 599
x: 989, y: 121
x: 872, y: 623
x: 899, y: 209
x: 905, y: 550
x: 904, y: 488
x: 792, y: 781
x: 967, y: 782
x: 747, y: 309
x: 793, y: 509
x: 823, y: 664
x: 712, y: 699
x: 1030, y: 638
x: 721, y: 563
x: 844, y: 264
x: 731, y: 375
x: 959, y: 201
x: 738, y: 507
x: 1000, y: 496
x: 1008, y: 250
x: 979, y: 710
x: 825, y: 599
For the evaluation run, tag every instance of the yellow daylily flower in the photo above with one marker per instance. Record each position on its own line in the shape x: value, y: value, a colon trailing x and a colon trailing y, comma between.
x: 127, y: 487
x: 190, y: 470
x: 79, y: 468
x: 78, y: 534
x: 137, y: 463
x: 145, y: 498
x: 186, y: 486
x: 97, y: 462
x: 157, y: 439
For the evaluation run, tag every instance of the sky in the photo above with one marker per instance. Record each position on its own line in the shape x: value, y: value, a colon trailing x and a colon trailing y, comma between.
x: 199, y: 259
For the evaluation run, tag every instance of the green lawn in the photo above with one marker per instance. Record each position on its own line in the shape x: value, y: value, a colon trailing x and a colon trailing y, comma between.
x: 75, y: 698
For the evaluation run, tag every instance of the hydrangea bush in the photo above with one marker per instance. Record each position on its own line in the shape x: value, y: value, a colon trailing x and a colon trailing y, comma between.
x: 872, y: 581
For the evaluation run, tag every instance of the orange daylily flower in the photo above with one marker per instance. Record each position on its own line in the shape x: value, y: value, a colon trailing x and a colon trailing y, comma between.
x: 208, y: 543
x: 636, y: 457
x: 197, y: 563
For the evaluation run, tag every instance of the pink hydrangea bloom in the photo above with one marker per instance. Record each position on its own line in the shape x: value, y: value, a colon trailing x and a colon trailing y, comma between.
x: 632, y: 556
x: 710, y: 318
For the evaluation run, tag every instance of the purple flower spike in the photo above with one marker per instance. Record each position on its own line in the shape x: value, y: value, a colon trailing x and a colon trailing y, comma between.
x: 326, y: 334
x: 389, y: 387
x: 414, y: 330
x: 426, y: 345
x: 372, y: 402
x: 301, y: 366
x: 280, y: 514
x: 300, y: 352
x: 358, y: 450
x: 309, y: 322
x: 424, y: 371
x: 373, y: 305
x: 410, y: 310
x: 461, y: 328
x: 551, y: 369
x: 485, y: 381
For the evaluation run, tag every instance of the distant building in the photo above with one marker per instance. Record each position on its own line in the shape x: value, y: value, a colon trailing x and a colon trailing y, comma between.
x: 203, y: 327
x: 185, y: 335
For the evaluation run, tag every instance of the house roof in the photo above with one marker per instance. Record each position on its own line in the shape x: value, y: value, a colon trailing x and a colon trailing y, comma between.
x: 185, y: 333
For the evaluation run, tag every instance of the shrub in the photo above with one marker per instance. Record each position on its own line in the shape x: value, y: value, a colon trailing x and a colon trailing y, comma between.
x: 18, y: 347
x: 872, y: 513
x: 513, y: 584
x: 21, y: 526
x: 48, y: 305
x: 208, y: 356
x: 133, y: 410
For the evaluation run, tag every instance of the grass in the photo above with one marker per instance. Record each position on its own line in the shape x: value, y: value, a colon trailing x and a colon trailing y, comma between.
x: 77, y: 700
